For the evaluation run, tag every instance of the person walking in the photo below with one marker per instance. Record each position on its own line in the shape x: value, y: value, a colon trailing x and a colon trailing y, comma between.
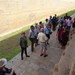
x: 4, y: 70
x: 43, y: 39
x: 23, y: 45
x: 32, y: 36
x: 36, y: 30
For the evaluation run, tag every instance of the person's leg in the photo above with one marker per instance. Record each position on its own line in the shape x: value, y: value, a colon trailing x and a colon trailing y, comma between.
x: 26, y: 53
x: 41, y: 49
x: 22, y: 53
x: 45, y: 48
x: 36, y: 41
x: 48, y: 38
x: 33, y: 41
x: 68, y: 28
x: 32, y: 44
x: 53, y: 27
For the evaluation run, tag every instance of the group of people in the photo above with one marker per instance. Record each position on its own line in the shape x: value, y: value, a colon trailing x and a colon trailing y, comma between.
x: 34, y: 35
x: 65, y: 24
x: 41, y: 32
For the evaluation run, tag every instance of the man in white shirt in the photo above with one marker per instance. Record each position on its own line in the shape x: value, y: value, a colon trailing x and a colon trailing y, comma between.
x: 43, y: 39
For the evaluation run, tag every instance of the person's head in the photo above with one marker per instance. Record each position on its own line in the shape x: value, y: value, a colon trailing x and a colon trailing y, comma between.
x: 32, y: 27
x: 70, y: 18
x: 3, y: 62
x: 74, y: 19
x: 59, y: 27
x: 36, y: 24
x: 55, y: 15
x: 61, y: 17
x: 50, y: 17
x: 65, y: 29
x: 23, y: 33
x: 66, y: 14
x: 46, y: 20
x: 40, y: 23
x: 42, y: 30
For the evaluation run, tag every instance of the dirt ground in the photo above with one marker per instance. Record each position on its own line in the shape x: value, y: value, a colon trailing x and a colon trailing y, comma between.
x: 15, y: 14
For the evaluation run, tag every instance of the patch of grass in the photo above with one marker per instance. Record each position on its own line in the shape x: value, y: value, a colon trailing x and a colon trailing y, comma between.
x: 9, y: 44
x: 71, y: 12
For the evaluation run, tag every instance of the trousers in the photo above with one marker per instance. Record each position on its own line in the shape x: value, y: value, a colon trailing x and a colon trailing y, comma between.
x: 22, y: 51
x: 32, y: 43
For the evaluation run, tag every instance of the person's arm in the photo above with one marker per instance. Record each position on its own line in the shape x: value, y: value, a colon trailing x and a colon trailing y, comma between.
x: 26, y: 41
x: 30, y: 33
x: 20, y: 44
x: 46, y: 39
x: 45, y: 30
x: 10, y: 73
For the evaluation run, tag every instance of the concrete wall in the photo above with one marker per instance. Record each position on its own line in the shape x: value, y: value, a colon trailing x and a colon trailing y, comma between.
x: 15, y: 14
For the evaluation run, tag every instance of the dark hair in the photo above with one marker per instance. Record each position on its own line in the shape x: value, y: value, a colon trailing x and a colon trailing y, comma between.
x: 50, y: 16
x: 46, y: 20
x: 22, y: 32
x: 32, y: 27
x: 40, y: 22
x: 70, y: 18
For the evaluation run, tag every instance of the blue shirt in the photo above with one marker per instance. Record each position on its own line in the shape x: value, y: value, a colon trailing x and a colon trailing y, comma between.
x: 36, y: 30
x: 32, y: 34
x: 47, y: 30
x: 50, y: 21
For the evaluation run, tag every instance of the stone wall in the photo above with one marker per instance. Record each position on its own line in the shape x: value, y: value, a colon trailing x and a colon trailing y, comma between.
x: 15, y: 14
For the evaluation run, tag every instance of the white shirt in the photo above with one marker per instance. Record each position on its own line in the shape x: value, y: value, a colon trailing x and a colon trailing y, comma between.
x: 42, y: 37
x: 45, y: 24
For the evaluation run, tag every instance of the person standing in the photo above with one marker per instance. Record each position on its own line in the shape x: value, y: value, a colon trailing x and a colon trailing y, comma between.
x: 43, y: 39
x: 64, y: 38
x: 50, y: 22
x: 66, y: 16
x: 45, y: 23
x: 69, y: 24
x: 47, y: 32
x: 41, y: 25
x: 54, y: 23
x: 32, y: 36
x: 23, y: 45
x: 36, y: 30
